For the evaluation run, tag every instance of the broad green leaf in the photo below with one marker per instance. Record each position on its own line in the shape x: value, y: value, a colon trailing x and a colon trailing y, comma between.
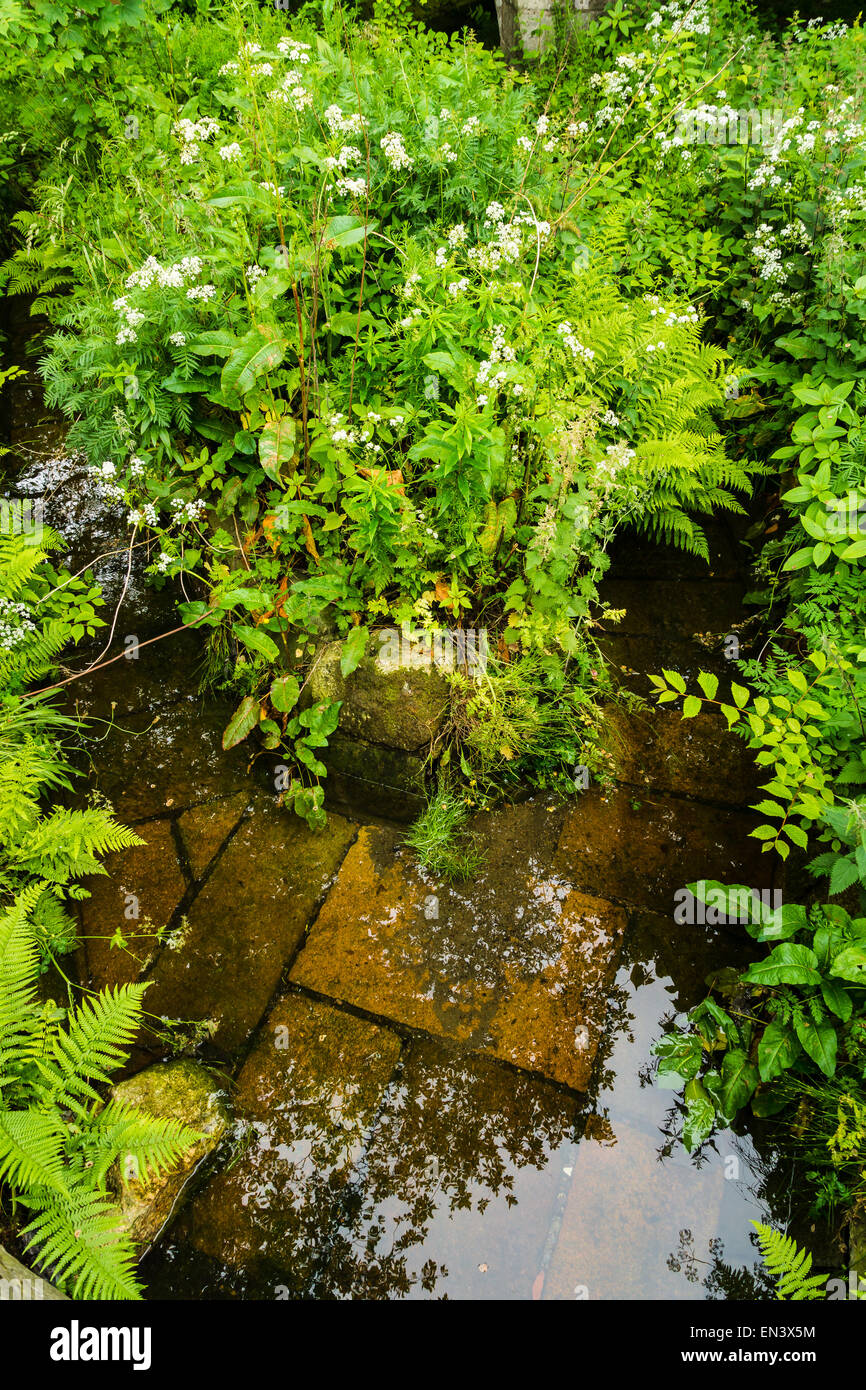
x: 739, y: 1080
x: 709, y: 684
x: 777, y: 1050
x: 819, y: 1041
x: 277, y: 446
x: 244, y: 719
x: 353, y: 649
x: 850, y: 964
x: 258, y: 351
x: 788, y: 964
x: 258, y: 641
x: 284, y: 693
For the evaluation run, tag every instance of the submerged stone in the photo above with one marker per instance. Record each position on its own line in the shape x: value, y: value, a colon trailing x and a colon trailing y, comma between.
x: 691, y: 757
x: 205, y: 828
x: 514, y: 964
x: 184, y: 1091
x: 308, y: 1092
x: 138, y: 898
x: 247, y: 922
x: 640, y: 848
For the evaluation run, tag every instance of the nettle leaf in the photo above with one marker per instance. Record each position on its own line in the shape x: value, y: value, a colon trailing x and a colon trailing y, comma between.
x: 277, y: 446
x: 788, y: 964
x: 353, y: 649
x: 778, y: 1049
x: 259, y: 351
x: 242, y: 722
x: 819, y: 1041
x: 258, y: 641
x: 843, y: 873
x: 284, y: 693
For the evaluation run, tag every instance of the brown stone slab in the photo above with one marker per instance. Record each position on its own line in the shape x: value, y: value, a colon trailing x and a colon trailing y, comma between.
x: 692, y: 757
x: 514, y: 964
x: 671, y: 605
x: 138, y: 897
x: 204, y: 828
x: 247, y: 922
x: 640, y: 847
x: 308, y: 1093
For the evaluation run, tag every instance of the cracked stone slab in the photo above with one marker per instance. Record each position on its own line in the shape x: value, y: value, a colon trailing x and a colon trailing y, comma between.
x: 205, y: 828
x: 514, y: 964
x: 246, y: 923
x: 308, y: 1093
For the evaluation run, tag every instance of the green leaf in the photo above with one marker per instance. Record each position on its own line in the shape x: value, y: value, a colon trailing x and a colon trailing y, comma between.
x: 258, y: 641
x: 353, y: 649
x: 675, y: 679
x: 788, y: 964
x: 346, y: 231
x: 799, y: 559
x: 284, y: 693
x: 709, y: 684
x: 740, y: 694
x: 277, y: 446
x: 691, y: 706
x: 819, y: 1041
x: 850, y: 964
x: 778, y: 1049
x: 244, y: 719
x: 739, y: 1080
x: 700, y: 1117
x: 837, y: 999
x: 258, y: 351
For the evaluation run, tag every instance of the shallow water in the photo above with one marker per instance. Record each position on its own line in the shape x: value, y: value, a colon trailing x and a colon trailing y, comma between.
x: 440, y: 1092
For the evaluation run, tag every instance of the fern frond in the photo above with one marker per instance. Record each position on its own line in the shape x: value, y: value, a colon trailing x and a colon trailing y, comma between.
x: 789, y: 1266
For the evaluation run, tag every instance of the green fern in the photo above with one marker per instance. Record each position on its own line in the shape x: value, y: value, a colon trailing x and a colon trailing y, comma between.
x: 789, y: 1266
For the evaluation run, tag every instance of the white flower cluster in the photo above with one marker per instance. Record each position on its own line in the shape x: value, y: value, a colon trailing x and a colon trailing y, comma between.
x: 352, y: 188
x: 104, y: 474
x: 232, y: 151
x: 574, y: 345
x: 340, y: 124
x: 471, y: 126
x: 490, y: 372
x: 292, y: 92
x: 457, y: 236
x: 255, y: 273
x: 395, y: 151
x: 16, y: 625
x: 349, y: 154
x: 138, y: 466
x: 609, y: 418
x: 617, y: 457
x: 228, y: 69
x: 686, y: 16
x: 133, y: 318
x: 767, y: 255
x: 191, y: 132
x: 170, y: 277
x: 203, y: 292
x: 449, y: 155
x: 146, y: 515
x: 178, y: 339
x: 458, y: 287
x: 187, y: 511
x: 830, y: 32
x: 294, y: 49
x: 672, y: 317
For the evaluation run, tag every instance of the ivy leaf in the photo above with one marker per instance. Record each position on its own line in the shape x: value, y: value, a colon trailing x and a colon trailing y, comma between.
x: 777, y: 1050
x: 244, y: 719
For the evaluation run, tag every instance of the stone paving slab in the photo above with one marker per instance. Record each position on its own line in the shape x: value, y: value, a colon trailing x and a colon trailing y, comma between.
x: 691, y: 757
x: 639, y: 847
x: 205, y: 828
x: 309, y: 1092
x: 146, y: 881
x: 627, y: 1214
x: 514, y: 964
x: 247, y: 922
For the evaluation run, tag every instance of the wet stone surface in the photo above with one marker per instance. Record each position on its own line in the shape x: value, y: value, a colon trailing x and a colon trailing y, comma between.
x: 138, y: 898
x: 307, y: 1095
x: 246, y: 922
x: 513, y: 964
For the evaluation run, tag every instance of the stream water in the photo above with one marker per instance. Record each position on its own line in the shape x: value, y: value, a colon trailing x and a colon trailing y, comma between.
x: 439, y: 1092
